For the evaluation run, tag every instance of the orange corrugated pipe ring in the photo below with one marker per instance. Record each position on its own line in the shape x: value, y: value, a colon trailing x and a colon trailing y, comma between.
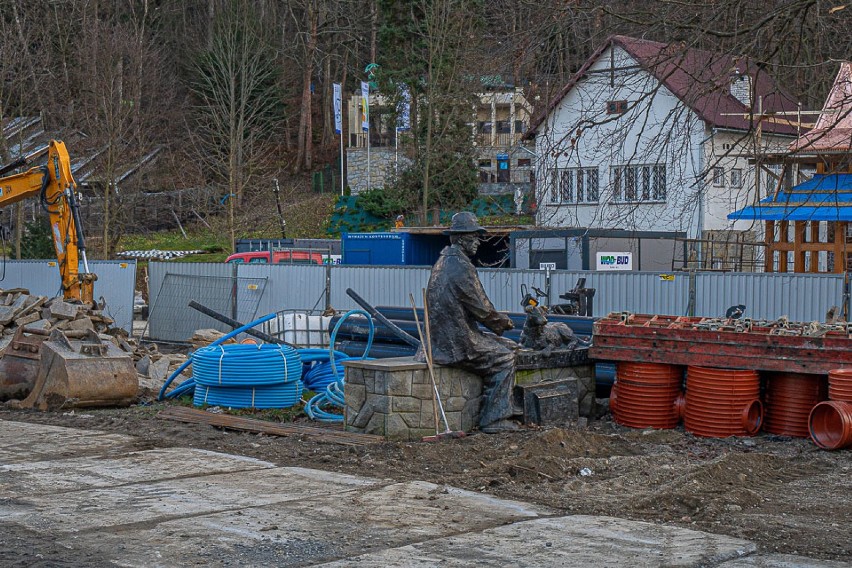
x: 789, y: 399
x: 722, y: 402
x: 831, y: 425
x: 840, y: 384
x: 645, y: 395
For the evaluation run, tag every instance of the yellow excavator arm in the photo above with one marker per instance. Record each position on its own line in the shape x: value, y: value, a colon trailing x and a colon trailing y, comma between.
x: 56, y: 188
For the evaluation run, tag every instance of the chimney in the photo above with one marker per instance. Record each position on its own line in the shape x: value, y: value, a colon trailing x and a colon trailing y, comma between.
x: 741, y: 88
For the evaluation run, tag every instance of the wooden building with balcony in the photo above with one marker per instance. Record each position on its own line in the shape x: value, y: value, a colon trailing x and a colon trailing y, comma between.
x: 808, y: 227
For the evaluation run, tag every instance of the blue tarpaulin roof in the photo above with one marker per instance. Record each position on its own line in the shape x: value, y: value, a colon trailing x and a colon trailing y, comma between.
x: 825, y: 197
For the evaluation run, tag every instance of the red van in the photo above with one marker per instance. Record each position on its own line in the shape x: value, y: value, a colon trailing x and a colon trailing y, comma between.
x: 278, y: 257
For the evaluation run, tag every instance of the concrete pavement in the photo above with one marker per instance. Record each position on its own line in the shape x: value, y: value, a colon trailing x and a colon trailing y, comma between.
x: 109, y: 497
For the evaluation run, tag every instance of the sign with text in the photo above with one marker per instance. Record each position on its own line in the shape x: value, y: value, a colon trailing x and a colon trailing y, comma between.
x: 547, y: 266
x: 615, y: 261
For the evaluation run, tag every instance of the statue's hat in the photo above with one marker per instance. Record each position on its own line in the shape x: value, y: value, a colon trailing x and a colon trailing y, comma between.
x: 464, y: 222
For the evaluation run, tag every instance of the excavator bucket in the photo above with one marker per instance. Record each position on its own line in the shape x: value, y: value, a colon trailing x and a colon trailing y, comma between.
x: 19, y: 365
x: 89, y: 372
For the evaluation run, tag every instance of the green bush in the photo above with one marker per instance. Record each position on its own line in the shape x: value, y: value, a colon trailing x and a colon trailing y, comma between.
x: 37, y: 241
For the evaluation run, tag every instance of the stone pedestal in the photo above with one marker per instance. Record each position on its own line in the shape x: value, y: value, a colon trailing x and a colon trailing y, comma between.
x: 534, y: 368
x: 393, y: 398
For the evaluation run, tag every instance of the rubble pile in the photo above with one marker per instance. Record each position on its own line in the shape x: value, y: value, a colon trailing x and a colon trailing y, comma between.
x: 40, y: 315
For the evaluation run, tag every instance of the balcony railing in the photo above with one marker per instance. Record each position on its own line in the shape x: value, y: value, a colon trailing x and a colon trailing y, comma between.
x: 504, y: 140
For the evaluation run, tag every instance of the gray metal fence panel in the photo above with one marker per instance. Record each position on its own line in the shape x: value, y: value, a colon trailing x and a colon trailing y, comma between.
x: 116, y: 282
x: 801, y: 297
x: 638, y: 292
x: 289, y: 286
x: 262, y: 289
x: 158, y: 270
x: 380, y: 286
x: 171, y: 285
x: 503, y: 286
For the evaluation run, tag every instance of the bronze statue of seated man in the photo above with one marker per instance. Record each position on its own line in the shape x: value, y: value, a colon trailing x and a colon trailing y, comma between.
x: 457, y: 304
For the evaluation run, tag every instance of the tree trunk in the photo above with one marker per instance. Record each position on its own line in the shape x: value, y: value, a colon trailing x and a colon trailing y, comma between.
x: 304, y: 158
x: 374, y: 29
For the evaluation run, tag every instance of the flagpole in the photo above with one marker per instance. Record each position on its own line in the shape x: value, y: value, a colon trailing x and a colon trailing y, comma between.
x: 368, y: 157
x: 365, y: 123
x: 337, y: 104
x: 341, y: 162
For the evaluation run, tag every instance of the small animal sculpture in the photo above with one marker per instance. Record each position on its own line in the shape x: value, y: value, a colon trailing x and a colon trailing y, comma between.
x: 539, y: 335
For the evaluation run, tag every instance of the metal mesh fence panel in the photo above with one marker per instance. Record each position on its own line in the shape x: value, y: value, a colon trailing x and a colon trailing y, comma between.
x: 171, y: 318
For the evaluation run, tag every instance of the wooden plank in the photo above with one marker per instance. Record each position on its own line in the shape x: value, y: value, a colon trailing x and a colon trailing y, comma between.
x: 769, y: 239
x: 839, y: 246
x: 197, y: 416
x: 798, y: 252
x: 813, y: 266
x: 809, y: 247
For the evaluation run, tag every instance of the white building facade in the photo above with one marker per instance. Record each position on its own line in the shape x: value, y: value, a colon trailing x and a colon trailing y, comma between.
x: 629, y: 145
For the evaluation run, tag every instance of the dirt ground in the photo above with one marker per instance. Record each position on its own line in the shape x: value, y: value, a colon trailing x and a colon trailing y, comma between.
x: 785, y: 494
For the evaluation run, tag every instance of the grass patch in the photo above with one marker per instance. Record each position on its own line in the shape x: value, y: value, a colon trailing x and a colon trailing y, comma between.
x: 206, y: 240
x: 215, y: 245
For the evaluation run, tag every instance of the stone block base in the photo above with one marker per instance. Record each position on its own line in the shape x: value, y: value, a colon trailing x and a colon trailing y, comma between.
x: 393, y: 398
x: 547, y: 370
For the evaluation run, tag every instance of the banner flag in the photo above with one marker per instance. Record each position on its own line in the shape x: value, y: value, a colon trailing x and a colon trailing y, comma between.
x: 365, y: 106
x: 403, y: 109
x: 338, y: 109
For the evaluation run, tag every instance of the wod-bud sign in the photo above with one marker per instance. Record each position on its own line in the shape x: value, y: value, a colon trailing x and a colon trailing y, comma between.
x: 615, y: 261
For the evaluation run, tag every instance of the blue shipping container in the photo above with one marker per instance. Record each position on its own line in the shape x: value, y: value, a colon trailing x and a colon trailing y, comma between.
x: 393, y: 249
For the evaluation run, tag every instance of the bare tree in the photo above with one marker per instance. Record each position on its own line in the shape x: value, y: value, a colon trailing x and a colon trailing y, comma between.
x: 235, y: 84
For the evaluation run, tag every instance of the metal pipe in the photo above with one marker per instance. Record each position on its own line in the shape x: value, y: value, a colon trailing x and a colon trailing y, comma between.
x: 235, y: 324
x: 411, y: 340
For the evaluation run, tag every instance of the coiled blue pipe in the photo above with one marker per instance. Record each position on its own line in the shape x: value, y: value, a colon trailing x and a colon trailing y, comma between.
x: 321, y: 375
x: 242, y: 365
x: 189, y: 384
x: 247, y: 376
x: 284, y: 395
x: 334, y: 392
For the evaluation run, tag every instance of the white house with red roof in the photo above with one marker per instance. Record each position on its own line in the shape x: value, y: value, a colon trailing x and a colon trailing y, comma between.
x: 655, y: 137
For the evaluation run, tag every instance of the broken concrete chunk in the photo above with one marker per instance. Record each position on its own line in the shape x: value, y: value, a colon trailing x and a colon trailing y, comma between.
x: 30, y: 318
x: 63, y: 310
x: 158, y: 370
x: 100, y: 317
x: 41, y: 324
x: 81, y: 323
x: 143, y: 364
x: 32, y: 306
x: 9, y: 312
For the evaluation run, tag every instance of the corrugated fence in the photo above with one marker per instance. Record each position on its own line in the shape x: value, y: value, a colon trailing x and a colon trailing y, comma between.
x: 116, y: 282
x: 253, y: 290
